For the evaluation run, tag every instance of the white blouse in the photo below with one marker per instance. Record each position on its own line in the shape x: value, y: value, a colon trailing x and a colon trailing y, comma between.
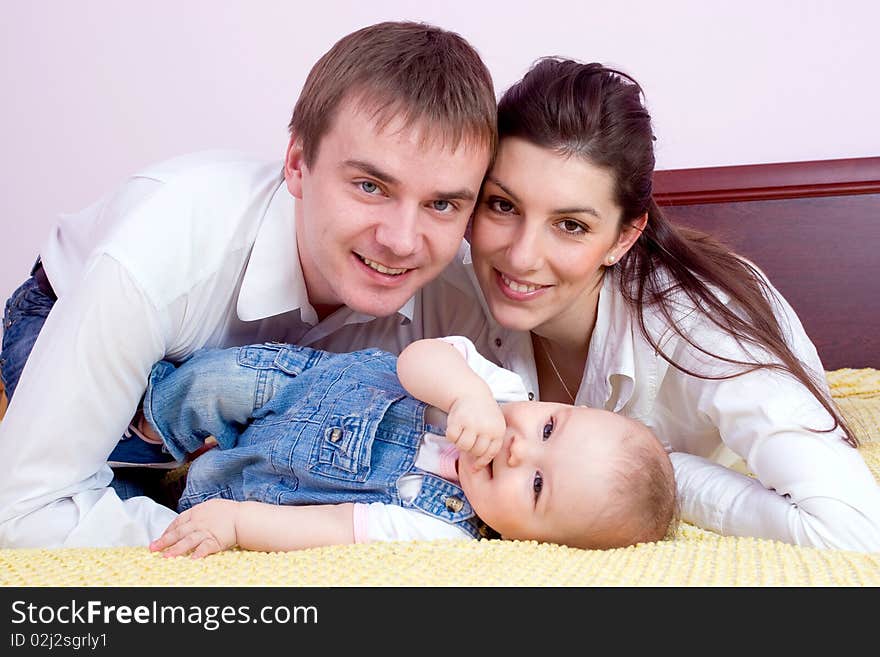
x: 809, y: 487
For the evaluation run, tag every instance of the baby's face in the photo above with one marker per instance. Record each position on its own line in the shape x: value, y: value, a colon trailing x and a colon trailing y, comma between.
x: 552, y: 472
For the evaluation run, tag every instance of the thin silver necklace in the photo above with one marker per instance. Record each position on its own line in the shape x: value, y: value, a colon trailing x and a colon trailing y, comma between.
x: 555, y: 369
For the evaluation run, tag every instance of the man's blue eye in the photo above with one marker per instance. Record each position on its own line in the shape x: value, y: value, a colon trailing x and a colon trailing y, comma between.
x: 369, y: 187
x: 548, y: 428
x: 441, y: 206
x: 538, y: 484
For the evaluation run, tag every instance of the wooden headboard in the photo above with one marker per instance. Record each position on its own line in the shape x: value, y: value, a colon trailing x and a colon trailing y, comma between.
x: 813, y: 227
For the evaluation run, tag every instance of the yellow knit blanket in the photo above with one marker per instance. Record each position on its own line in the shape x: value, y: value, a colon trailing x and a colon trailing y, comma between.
x: 692, y: 558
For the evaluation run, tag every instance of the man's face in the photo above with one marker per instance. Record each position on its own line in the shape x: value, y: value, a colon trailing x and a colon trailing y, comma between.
x: 381, y: 211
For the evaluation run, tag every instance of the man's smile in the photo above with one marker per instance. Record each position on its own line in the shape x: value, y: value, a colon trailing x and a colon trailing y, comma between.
x: 382, y: 269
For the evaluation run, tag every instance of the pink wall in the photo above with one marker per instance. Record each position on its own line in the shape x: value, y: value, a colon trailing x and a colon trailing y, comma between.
x: 95, y: 89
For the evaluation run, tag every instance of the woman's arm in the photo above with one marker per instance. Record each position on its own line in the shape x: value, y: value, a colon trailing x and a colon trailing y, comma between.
x: 810, y: 487
x: 218, y: 525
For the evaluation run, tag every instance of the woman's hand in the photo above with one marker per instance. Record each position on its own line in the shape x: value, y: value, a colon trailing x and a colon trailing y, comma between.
x: 204, y: 529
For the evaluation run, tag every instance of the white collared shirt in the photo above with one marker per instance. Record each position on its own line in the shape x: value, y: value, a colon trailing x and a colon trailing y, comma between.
x: 195, y: 252
x: 810, y: 488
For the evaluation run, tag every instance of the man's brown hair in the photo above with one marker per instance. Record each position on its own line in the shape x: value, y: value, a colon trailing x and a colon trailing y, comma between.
x: 422, y: 73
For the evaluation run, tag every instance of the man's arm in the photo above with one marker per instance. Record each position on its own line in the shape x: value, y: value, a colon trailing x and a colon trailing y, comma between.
x: 77, y: 393
x: 218, y: 525
x: 436, y: 372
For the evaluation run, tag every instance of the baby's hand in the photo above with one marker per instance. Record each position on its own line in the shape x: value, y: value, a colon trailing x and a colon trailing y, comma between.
x: 203, y: 529
x: 476, y: 426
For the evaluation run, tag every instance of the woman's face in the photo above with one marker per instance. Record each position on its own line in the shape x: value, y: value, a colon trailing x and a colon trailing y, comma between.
x: 543, y: 230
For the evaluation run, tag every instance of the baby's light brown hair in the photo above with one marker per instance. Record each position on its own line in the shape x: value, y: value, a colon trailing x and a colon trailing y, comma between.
x: 642, y: 504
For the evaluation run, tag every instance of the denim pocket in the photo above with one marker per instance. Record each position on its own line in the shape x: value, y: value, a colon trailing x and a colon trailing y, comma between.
x: 260, y: 357
x: 344, y: 448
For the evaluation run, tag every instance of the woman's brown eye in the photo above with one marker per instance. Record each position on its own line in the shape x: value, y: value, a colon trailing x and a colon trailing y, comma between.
x: 572, y: 226
x: 501, y: 205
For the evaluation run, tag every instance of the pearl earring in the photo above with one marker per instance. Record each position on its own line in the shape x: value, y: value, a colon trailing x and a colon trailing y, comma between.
x: 610, y: 260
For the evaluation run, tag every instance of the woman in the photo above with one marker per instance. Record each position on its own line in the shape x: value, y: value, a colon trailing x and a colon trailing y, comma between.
x: 600, y: 300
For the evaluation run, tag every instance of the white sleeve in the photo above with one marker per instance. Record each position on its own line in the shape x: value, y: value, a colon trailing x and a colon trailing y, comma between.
x: 506, y: 386
x: 389, y: 522
x: 77, y: 393
x: 810, y: 488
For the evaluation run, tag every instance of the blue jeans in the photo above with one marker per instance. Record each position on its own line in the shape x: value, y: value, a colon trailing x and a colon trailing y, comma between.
x: 23, y: 318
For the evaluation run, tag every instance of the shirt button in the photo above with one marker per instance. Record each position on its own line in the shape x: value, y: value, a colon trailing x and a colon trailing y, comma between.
x: 335, y: 435
x: 497, y: 342
x: 531, y: 396
x: 454, y: 504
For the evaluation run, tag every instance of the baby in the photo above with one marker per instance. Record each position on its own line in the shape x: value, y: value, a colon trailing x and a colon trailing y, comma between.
x: 317, y: 448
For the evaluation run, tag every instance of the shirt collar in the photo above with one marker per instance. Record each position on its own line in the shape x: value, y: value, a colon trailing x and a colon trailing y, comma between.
x: 612, y: 353
x: 273, y: 281
x: 464, y: 253
x: 406, y: 312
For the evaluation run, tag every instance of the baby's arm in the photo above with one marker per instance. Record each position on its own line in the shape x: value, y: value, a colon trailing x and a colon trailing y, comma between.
x: 217, y: 525
x: 435, y: 372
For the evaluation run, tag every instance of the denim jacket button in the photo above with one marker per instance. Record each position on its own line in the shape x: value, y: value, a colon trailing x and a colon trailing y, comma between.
x: 454, y: 504
x: 335, y: 435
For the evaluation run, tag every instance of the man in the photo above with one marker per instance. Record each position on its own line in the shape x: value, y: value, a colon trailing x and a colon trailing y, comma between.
x: 390, y: 139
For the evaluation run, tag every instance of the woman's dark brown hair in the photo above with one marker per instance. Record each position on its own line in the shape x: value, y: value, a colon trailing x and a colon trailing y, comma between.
x: 596, y: 113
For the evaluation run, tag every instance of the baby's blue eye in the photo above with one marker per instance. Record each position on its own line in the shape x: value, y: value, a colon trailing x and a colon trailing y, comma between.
x: 538, y: 484
x: 548, y: 428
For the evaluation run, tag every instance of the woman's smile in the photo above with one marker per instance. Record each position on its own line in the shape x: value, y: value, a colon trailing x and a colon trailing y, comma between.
x: 517, y: 289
